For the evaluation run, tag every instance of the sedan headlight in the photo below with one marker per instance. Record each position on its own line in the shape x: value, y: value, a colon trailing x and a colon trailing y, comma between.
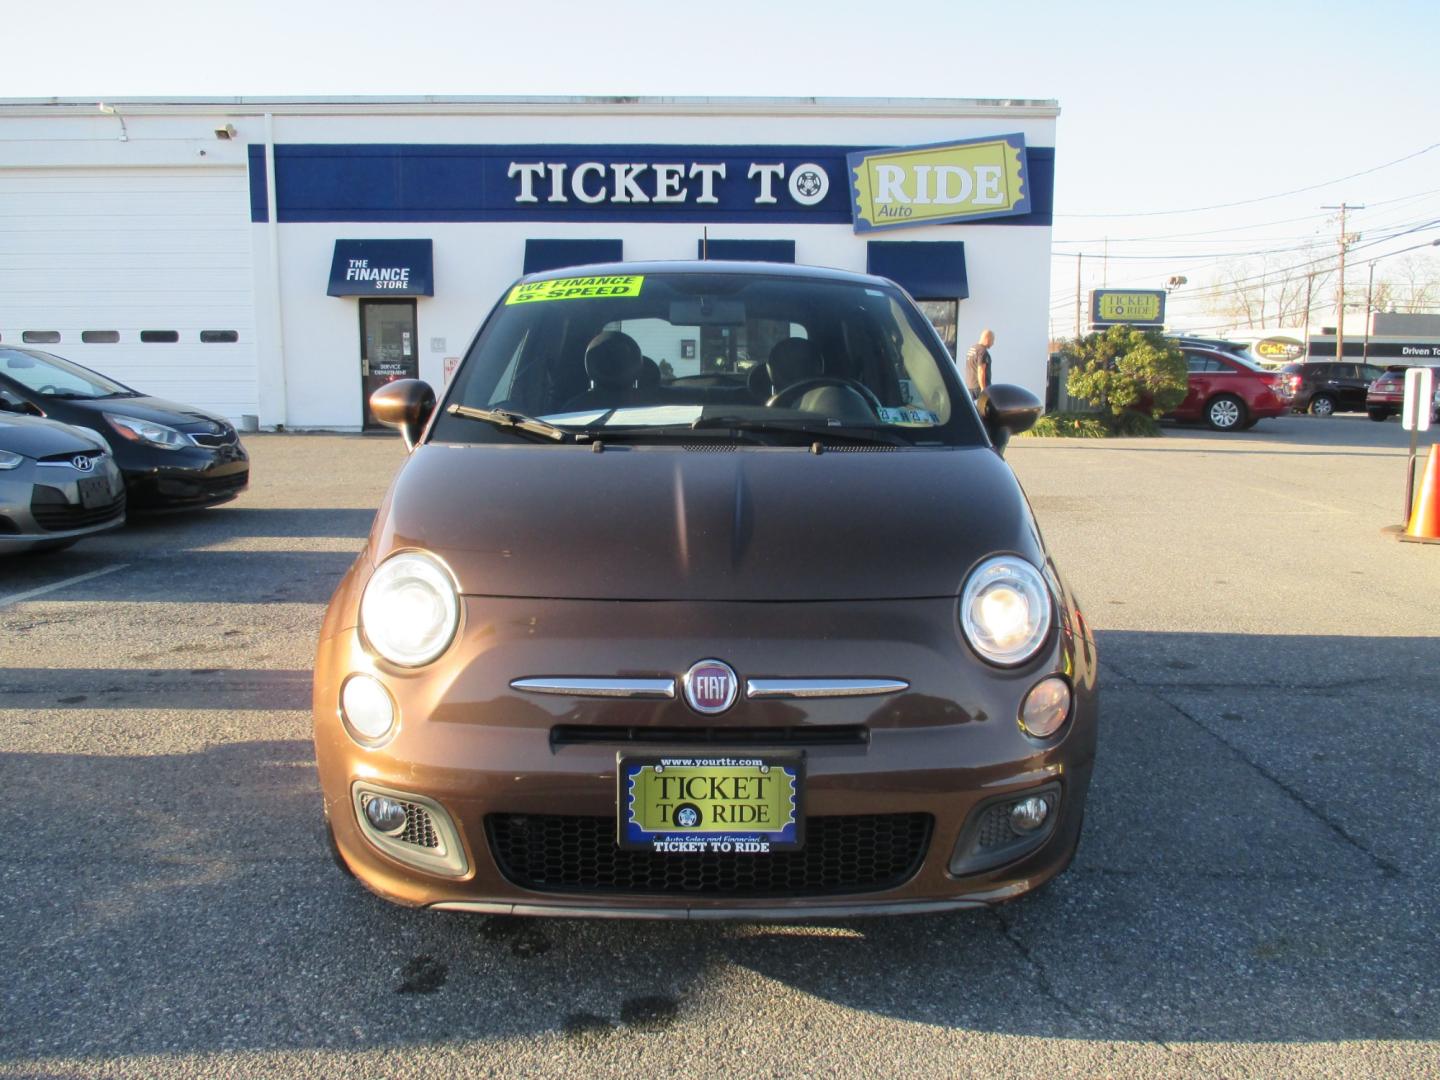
x: 1005, y: 610
x: 410, y: 609
x: 11, y: 460
x: 149, y: 432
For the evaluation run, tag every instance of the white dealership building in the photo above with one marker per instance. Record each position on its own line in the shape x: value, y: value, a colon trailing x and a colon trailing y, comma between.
x: 272, y: 259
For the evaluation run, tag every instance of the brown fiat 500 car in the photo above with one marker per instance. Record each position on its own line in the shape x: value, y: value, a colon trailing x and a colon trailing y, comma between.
x: 705, y: 592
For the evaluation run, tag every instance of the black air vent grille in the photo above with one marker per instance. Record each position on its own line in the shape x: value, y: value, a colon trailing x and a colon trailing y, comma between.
x: 850, y: 854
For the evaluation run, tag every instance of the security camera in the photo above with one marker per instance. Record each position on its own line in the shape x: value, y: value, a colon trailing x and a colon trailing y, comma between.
x: 226, y: 132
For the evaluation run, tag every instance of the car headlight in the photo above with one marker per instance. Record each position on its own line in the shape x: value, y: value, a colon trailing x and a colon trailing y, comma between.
x: 410, y: 609
x: 11, y: 460
x: 1005, y: 610
x: 149, y: 432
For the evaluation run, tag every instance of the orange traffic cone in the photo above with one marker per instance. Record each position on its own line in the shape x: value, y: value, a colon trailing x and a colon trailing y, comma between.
x: 1425, y: 515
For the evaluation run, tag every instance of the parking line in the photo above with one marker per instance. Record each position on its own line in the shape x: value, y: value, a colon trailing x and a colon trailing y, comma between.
x: 30, y: 594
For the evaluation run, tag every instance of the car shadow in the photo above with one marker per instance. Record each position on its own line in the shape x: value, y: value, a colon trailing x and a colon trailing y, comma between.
x: 1343, y: 434
x: 1258, y: 866
x: 254, y: 521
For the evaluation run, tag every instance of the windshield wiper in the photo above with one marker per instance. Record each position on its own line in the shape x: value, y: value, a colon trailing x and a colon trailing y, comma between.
x: 799, y: 427
x: 504, y: 418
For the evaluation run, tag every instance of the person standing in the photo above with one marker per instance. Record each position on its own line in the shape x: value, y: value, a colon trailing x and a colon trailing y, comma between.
x: 977, y: 363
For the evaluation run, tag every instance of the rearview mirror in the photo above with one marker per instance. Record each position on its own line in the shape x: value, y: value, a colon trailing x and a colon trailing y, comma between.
x: 405, y: 404
x: 1007, y: 410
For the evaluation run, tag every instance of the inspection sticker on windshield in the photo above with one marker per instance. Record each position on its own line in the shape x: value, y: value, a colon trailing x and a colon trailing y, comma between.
x: 576, y: 288
x: 909, y: 415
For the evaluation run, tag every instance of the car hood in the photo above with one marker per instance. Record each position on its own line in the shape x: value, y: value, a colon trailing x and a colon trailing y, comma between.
x: 666, y: 523
x: 158, y: 410
x: 35, y: 437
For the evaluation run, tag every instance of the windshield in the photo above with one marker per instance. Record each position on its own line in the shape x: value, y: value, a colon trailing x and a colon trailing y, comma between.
x: 652, y: 355
x: 42, y: 373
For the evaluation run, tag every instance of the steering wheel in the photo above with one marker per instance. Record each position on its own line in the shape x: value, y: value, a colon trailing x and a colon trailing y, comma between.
x: 48, y: 388
x: 787, y: 397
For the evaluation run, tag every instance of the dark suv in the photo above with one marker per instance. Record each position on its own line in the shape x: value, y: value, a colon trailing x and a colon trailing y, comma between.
x: 1329, y: 386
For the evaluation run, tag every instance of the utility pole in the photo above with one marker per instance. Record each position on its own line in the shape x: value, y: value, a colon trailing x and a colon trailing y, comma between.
x: 1340, y: 312
x: 1369, y: 295
x: 1078, y: 257
x: 1309, y: 285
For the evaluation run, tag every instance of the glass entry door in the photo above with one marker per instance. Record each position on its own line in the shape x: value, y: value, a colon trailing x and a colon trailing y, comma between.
x: 388, y: 347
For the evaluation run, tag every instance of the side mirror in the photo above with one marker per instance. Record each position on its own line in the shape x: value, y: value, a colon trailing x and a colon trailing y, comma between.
x: 1007, y: 410
x: 405, y: 404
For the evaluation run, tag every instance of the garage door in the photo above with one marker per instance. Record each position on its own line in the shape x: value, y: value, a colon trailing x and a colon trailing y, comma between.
x: 142, y: 274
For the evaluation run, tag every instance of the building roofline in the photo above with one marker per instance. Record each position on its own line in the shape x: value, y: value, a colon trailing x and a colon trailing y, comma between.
x: 461, y: 104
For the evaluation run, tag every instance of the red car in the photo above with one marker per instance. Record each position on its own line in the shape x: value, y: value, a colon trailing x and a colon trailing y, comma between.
x: 1229, y: 392
x: 1387, y: 394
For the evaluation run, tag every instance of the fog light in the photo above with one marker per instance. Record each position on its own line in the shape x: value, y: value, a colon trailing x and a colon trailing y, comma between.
x: 387, y: 815
x: 1046, y: 707
x: 1029, y: 814
x: 366, y: 707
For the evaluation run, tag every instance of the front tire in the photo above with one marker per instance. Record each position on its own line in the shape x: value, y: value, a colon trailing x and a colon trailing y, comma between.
x: 1322, y: 405
x: 1225, y: 413
x: 1378, y: 415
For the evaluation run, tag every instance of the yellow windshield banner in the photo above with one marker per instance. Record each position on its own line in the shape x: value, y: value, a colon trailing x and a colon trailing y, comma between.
x: 577, y: 288
x: 929, y: 185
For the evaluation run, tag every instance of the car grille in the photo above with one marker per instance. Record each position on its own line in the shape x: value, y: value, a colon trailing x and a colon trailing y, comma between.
x: 846, y: 854
x: 225, y: 438
x: 54, y: 513
x: 797, y: 735
x: 65, y: 459
x: 202, y: 488
x: 204, y: 434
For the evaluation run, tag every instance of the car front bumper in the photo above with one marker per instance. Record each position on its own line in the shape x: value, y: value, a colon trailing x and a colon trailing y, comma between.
x: 193, y: 476
x: 485, y: 755
x: 40, y: 505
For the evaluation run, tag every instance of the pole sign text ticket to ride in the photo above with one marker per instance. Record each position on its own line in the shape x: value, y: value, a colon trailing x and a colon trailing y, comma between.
x: 1135, y: 307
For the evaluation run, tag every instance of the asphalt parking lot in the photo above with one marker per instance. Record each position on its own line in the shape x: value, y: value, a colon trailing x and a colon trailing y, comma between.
x: 1255, y: 893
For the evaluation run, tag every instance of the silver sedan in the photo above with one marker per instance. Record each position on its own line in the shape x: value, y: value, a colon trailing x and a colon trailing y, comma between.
x: 58, y: 484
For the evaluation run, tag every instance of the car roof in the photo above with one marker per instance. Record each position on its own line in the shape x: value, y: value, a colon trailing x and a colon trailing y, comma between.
x: 710, y: 266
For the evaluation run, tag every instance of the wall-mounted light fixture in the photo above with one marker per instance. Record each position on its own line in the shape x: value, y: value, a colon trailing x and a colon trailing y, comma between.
x: 226, y: 133
x: 110, y: 110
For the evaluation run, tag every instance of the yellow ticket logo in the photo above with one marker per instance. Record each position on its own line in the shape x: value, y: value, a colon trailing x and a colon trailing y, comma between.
x: 581, y: 288
x: 928, y: 185
x: 712, y: 799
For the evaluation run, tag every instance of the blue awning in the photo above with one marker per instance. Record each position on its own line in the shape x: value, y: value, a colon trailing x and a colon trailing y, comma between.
x: 926, y: 269
x: 558, y: 254
x: 382, y: 268
x: 776, y: 251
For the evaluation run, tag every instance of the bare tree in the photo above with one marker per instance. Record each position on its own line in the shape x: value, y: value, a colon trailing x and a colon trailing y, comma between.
x: 1270, y: 292
x: 1414, y: 285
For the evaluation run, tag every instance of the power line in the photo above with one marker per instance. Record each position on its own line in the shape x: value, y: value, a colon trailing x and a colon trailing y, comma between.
x: 1240, y: 228
x: 1222, y: 287
x: 1259, y: 199
x: 1218, y: 255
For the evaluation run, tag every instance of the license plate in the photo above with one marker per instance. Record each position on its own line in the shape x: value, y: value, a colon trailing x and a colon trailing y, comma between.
x: 726, y: 803
x: 94, y: 491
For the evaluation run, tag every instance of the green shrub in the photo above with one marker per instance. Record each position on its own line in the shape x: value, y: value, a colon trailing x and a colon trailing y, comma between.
x: 1123, y: 369
x: 1094, y: 426
x: 1135, y: 425
x: 1071, y: 426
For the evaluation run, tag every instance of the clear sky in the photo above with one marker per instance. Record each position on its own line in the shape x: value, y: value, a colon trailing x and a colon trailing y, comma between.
x: 1165, y: 107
